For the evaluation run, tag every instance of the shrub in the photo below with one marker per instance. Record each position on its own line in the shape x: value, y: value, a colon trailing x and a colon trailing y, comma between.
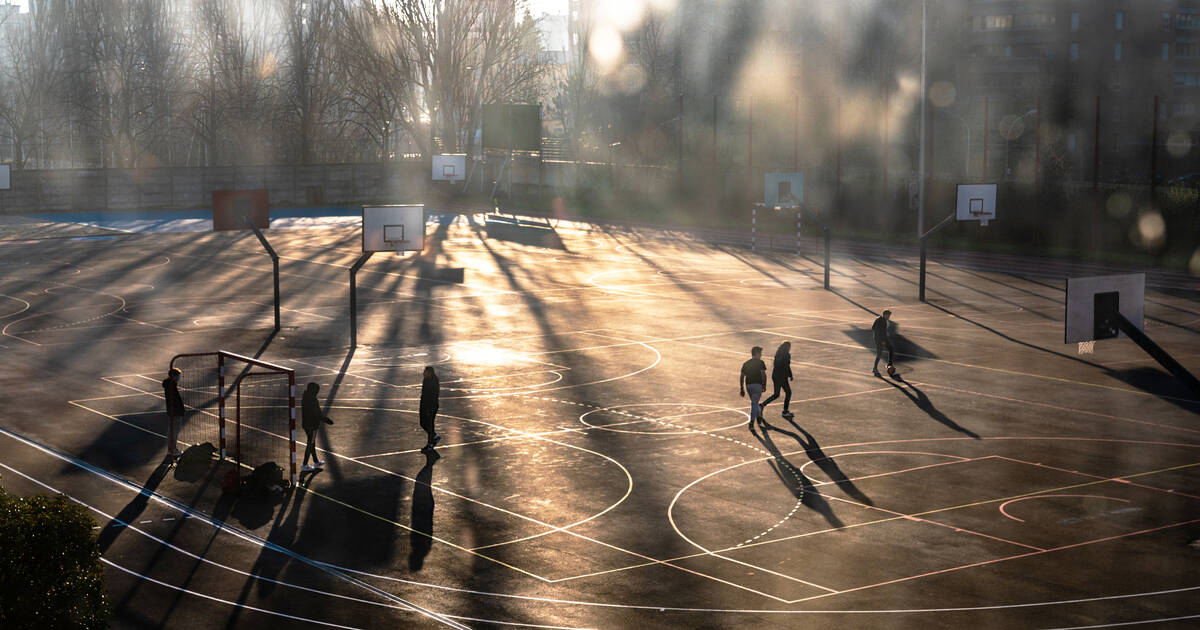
x: 50, y: 575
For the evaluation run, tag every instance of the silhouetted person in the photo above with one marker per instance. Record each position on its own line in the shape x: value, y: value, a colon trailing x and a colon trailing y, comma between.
x: 781, y: 373
x: 430, y: 391
x: 753, y: 378
x: 311, y: 419
x: 880, y: 331
x: 420, y: 537
x: 174, y: 409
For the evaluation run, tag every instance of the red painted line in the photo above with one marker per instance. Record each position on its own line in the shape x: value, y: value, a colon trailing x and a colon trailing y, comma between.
x: 1057, y: 407
x: 923, y: 520
x: 1139, y: 485
x: 1023, y: 555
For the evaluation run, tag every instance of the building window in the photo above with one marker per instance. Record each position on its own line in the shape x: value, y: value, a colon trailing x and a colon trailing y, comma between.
x: 1071, y: 142
x: 1120, y: 20
x: 992, y: 22
x: 1166, y: 22
x: 1188, y: 19
x: 1034, y: 20
x: 1185, y: 109
x: 1074, y: 52
x: 1187, y: 79
x: 1187, y: 48
x: 1117, y: 51
x: 1074, y: 21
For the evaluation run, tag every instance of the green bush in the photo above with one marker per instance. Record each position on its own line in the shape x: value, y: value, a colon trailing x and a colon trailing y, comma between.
x: 50, y: 574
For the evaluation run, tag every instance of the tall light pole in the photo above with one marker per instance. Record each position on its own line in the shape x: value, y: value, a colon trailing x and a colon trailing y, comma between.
x: 921, y: 158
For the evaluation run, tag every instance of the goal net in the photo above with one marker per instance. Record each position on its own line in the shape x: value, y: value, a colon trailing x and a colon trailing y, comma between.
x: 244, y: 407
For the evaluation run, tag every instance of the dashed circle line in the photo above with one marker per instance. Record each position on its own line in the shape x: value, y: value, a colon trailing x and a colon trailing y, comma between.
x: 792, y: 469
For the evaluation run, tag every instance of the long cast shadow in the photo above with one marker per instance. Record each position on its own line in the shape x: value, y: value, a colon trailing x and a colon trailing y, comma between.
x: 796, y: 483
x: 421, y: 536
x: 132, y: 510
x: 824, y: 462
x: 923, y: 403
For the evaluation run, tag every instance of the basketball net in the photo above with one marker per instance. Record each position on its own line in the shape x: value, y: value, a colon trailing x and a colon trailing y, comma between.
x: 1087, y: 347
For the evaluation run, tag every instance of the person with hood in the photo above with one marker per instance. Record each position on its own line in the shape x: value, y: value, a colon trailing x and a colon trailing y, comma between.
x: 311, y: 419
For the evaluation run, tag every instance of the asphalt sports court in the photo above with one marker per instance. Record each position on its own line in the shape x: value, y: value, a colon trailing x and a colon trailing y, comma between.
x: 597, y: 468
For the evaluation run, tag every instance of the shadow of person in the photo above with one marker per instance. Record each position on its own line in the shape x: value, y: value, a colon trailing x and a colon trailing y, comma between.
x: 421, y: 536
x: 132, y: 510
x: 923, y: 403
x: 825, y: 463
x: 795, y: 481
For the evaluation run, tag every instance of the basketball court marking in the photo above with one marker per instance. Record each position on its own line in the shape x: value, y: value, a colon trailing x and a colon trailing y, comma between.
x: 1005, y: 505
x: 218, y: 524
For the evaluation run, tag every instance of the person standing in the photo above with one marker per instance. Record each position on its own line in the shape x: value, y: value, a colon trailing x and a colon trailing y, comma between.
x: 311, y: 419
x: 781, y: 373
x: 880, y: 331
x: 174, y: 402
x: 430, y: 391
x: 752, y: 379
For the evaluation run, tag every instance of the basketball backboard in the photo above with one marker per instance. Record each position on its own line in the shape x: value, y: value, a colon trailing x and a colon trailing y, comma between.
x: 397, y: 229
x: 783, y: 189
x: 1088, y: 296
x: 240, y: 209
x: 976, y: 202
x: 5, y: 177
x: 450, y: 167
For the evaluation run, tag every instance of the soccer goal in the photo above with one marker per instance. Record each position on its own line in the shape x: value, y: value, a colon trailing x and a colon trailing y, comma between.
x: 244, y: 407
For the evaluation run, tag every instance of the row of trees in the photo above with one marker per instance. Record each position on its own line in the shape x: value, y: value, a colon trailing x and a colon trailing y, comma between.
x: 133, y: 83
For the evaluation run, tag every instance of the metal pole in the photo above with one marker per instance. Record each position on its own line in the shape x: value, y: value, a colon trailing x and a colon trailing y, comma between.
x: 753, y: 228
x: 1154, y: 151
x: 921, y: 157
x: 714, y: 152
x: 825, y: 229
x: 886, y: 112
x: 837, y: 160
x: 798, y: 223
x: 796, y: 134
x: 1096, y: 174
x: 354, y: 297
x: 984, y: 172
x: 274, y: 264
x: 921, y: 283
x: 1037, y: 147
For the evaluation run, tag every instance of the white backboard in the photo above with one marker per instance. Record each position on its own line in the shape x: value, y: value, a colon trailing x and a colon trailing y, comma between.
x: 450, y: 167
x: 976, y: 202
x: 5, y: 177
x: 1081, y: 296
x: 393, y: 228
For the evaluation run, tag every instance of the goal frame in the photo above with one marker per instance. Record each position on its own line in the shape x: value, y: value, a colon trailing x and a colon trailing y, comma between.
x: 233, y: 390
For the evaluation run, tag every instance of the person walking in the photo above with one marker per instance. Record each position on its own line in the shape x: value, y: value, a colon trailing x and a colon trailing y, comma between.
x: 781, y: 373
x: 752, y: 379
x: 430, y: 391
x: 174, y: 402
x: 880, y: 331
x: 311, y: 419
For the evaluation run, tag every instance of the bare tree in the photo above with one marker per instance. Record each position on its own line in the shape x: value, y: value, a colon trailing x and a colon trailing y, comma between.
x: 308, y: 83
x: 30, y: 80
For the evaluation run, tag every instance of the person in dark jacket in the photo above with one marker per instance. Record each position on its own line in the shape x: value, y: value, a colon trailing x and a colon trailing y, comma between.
x: 174, y: 402
x: 430, y: 391
x: 781, y: 373
x: 311, y: 419
x: 880, y: 331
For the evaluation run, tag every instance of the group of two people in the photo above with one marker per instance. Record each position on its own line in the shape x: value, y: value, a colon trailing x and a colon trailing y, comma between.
x: 312, y: 416
x: 753, y: 378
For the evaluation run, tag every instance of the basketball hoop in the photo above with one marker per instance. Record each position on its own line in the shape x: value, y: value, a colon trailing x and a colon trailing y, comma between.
x: 1087, y: 347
